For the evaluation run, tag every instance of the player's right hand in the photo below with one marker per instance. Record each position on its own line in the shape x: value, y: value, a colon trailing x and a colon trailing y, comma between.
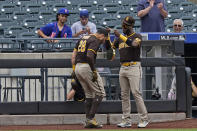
x: 116, y: 33
x: 95, y: 76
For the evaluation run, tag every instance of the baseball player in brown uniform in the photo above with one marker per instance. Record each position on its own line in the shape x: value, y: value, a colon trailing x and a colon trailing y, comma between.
x: 130, y: 72
x: 83, y: 58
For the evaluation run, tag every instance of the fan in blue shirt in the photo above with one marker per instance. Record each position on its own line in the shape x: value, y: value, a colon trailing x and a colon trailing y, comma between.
x: 57, y: 29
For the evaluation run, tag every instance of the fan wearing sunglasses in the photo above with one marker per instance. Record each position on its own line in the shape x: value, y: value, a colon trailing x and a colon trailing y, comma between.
x: 177, y: 25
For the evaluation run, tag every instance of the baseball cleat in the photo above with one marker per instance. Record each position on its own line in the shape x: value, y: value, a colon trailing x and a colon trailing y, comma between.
x: 143, y: 124
x: 124, y: 125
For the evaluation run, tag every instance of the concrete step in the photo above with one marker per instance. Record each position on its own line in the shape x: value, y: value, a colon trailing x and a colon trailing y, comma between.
x: 51, y: 119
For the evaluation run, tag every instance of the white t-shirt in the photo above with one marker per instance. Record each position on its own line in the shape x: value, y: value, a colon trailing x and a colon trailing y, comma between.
x: 77, y: 26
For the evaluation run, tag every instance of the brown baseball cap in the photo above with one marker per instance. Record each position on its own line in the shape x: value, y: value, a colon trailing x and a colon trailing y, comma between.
x: 128, y: 20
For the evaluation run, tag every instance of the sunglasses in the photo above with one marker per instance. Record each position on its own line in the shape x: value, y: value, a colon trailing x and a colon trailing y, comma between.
x: 177, y: 25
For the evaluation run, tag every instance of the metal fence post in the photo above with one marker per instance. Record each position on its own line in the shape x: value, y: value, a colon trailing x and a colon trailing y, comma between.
x: 42, y: 83
x: 23, y: 89
x: 46, y: 83
x: 188, y: 92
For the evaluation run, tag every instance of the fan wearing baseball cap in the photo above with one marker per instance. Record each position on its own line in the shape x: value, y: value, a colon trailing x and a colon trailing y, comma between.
x: 84, y: 26
x: 57, y: 29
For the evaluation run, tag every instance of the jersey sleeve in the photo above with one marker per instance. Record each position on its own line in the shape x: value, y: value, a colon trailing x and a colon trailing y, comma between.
x: 69, y: 33
x: 47, y: 29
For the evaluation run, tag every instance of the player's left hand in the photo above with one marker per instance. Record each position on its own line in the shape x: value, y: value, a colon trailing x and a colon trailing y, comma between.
x: 95, y: 76
x: 116, y: 33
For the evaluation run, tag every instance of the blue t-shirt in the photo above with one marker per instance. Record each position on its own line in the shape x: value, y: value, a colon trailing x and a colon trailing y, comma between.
x: 52, y: 30
x: 153, y: 21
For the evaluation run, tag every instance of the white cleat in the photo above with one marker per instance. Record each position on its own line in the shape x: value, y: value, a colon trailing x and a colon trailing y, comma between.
x: 143, y: 124
x: 124, y: 125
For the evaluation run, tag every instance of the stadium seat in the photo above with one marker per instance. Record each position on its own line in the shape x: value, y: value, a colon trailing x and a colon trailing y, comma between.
x: 28, y: 35
x: 14, y: 31
x: 174, y: 13
x: 111, y: 8
x: 7, y: 45
x: 33, y: 9
x: 194, y: 28
x: 123, y: 13
x: 46, y: 15
x: 38, y: 46
x: 169, y: 28
x: 194, y: 13
x: 30, y: 23
x: 19, y: 16
x: 186, y: 6
x: 6, y: 22
x: 188, y: 20
x: 57, y: 6
x: 5, y: 1
x: 74, y: 3
x: 66, y: 45
x: 8, y: 9
x: 87, y: 6
x: 98, y: 14
x: 110, y: 22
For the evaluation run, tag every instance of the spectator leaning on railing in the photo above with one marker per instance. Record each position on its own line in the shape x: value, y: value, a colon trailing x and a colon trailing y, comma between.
x: 57, y: 29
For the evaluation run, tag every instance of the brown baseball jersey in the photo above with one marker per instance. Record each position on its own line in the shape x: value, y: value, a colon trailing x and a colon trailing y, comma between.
x: 128, y: 52
x: 85, y: 44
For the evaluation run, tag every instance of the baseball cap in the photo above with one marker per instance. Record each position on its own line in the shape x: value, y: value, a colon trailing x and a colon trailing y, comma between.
x: 84, y: 13
x: 128, y: 20
x: 63, y: 11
